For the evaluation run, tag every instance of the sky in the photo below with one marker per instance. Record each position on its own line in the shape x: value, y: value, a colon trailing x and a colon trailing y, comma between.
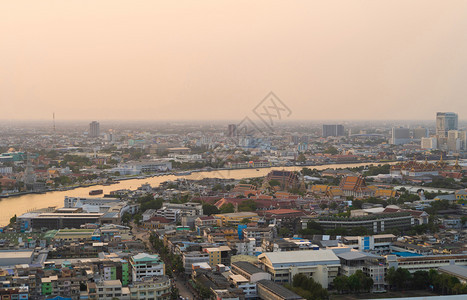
x: 216, y: 59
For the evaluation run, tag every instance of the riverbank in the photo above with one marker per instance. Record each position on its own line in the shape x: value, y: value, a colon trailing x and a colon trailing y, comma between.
x: 23, y: 203
x: 180, y: 174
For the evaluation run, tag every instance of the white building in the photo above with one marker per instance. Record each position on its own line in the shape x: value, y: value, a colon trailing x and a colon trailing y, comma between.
x: 96, y: 205
x: 136, y: 168
x: 371, y: 265
x: 322, y: 265
x: 429, y: 143
x: 249, y: 289
x: 425, y: 262
x: 146, y: 265
x: 377, y: 243
x: 156, y: 288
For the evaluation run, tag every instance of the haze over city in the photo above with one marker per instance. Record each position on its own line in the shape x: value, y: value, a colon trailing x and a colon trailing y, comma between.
x: 213, y: 60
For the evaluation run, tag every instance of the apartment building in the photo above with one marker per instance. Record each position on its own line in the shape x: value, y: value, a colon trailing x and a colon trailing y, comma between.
x: 156, y: 288
x: 146, y: 265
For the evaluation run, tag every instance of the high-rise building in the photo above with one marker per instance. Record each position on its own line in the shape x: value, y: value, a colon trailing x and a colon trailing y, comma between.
x: 429, y: 143
x: 94, y: 130
x: 456, y: 140
x: 420, y: 132
x: 445, y: 121
x: 333, y: 130
x: 232, y: 130
x: 400, y: 136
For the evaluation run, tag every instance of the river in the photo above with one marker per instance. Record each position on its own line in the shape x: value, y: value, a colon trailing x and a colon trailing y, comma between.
x: 21, y: 204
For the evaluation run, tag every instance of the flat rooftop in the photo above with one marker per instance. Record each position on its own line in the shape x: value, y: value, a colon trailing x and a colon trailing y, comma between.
x: 10, y: 254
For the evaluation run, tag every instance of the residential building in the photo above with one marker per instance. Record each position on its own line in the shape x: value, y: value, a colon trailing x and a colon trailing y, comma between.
x: 156, y: 288
x: 146, y: 265
x: 218, y: 255
x: 94, y: 129
x: 333, y: 130
x: 193, y: 257
x: 248, y: 288
x: 111, y: 289
x: 250, y: 271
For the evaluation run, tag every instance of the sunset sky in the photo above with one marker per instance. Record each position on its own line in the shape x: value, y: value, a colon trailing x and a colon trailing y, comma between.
x: 192, y: 60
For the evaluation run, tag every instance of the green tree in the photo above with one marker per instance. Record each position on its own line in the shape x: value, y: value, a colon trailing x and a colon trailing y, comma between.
x: 420, y: 280
x: 245, y: 221
x: 301, y: 158
x: 284, y: 232
x: 341, y: 283
x: 331, y: 150
x: 247, y: 205
x: 13, y: 219
x: 227, y: 208
x: 209, y: 209
x: 274, y: 182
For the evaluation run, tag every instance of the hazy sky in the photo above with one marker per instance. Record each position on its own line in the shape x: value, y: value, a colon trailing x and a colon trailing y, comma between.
x: 217, y: 59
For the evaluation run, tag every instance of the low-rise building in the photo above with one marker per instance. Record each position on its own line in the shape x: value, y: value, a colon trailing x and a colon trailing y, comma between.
x: 425, y: 263
x: 157, y: 288
x: 218, y: 255
x: 322, y: 265
x: 269, y: 290
x: 192, y: 257
x: 248, y: 288
x: 378, y: 243
x: 111, y: 289
x: 250, y: 271
x: 371, y: 265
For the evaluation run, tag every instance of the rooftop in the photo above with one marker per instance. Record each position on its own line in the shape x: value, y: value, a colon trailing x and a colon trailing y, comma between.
x: 247, y: 267
x: 279, y: 290
x: 304, y: 256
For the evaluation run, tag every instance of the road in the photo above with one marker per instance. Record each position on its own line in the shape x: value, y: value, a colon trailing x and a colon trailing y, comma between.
x: 180, y: 283
x: 183, y: 288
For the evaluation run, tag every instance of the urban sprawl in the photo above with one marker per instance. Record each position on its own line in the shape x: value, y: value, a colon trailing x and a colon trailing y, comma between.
x: 353, y: 210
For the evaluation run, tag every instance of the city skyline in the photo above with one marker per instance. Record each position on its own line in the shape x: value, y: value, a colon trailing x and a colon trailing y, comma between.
x: 354, y: 60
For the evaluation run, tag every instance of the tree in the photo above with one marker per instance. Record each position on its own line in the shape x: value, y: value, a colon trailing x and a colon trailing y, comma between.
x: 331, y: 150
x: 357, y: 204
x: 354, y: 283
x: 209, y: 209
x: 307, y: 288
x: 247, y: 205
x: 13, y: 219
x: 398, y: 278
x: 341, y: 283
x: 284, y: 231
x: 420, y: 280
x: 301, y: 158
x: 227, y: 208
x: 274, y: 182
